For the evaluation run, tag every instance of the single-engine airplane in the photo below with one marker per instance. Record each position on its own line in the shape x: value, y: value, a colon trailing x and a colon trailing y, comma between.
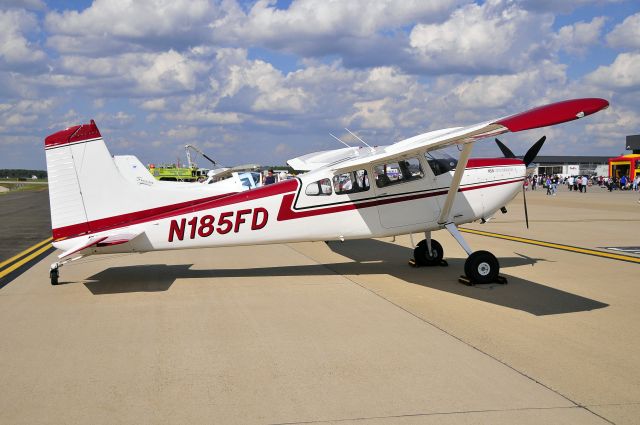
x: 349, y: 193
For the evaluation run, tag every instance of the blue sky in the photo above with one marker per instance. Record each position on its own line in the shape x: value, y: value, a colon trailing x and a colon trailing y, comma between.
x: 265, y: 81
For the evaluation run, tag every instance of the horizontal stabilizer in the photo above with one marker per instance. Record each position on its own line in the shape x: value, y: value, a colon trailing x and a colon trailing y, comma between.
x: 101, y: 241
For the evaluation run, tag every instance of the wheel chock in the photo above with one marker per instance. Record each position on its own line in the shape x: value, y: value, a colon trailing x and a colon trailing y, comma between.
x: 500, y: 280
x: 442, y: 263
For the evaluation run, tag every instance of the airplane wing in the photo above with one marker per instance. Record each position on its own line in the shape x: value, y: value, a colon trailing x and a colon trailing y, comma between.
x: 543, y: 116
x: 104, y: 240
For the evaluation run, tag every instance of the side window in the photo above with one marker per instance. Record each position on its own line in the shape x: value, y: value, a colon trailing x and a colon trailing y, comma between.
x: 441, y: 162
x: 398, y: 172
x: 319, y: 188
x: 351, y: 182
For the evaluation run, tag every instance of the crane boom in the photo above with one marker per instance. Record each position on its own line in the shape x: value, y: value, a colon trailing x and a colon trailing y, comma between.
x: 187, y: 147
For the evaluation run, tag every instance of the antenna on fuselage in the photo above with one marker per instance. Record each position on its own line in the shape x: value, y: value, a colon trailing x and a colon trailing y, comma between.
x: 338, y: 139
x: 356, y: 136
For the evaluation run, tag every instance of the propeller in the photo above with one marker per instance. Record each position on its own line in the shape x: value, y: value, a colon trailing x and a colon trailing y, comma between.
x: 505, y: 150
x: 527, y: 159
x: 529, y: 156
x: 533, y: 151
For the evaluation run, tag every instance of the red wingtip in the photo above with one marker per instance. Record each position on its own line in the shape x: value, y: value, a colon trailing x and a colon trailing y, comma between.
x: 554, y: 113
x: 76, y: 133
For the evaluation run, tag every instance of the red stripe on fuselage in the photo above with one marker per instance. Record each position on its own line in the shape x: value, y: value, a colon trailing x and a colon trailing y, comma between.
x: 144, y: 216
x: 492, y: 162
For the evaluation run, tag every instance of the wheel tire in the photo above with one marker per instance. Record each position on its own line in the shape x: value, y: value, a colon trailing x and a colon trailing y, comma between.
x: 423, y: 258
x: 482, y: 267
x: 54, y: 274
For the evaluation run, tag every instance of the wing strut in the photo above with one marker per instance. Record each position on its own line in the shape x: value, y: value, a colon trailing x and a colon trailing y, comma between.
x: 455, y: 184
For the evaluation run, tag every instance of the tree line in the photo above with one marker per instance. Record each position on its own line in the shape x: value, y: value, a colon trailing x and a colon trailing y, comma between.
x: 20, y: 173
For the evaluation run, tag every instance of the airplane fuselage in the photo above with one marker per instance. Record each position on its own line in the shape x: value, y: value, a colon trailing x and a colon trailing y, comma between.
x: 290, y: 212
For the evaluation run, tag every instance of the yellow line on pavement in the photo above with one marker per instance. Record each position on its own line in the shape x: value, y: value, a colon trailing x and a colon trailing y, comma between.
x: 555, y: 246
x: 26, y: 259
x: 25, y: 252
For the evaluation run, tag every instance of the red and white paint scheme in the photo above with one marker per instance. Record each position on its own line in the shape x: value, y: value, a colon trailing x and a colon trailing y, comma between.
x: 97, y: 207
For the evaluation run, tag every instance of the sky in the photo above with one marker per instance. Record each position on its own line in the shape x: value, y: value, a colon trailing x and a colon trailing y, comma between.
x: 265, y: 81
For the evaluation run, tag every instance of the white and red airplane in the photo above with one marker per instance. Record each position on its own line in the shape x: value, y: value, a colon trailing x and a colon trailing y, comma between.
x: 350, y: 193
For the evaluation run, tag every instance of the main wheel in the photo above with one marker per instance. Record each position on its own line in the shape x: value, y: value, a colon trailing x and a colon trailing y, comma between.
x: 482, y: 267
x: 424, y: 258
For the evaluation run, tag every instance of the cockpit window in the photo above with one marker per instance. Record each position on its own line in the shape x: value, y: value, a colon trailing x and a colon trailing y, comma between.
x: 441, y: 162
x: 319, y: 188
x: 398, y: 172
x: 351, y: 182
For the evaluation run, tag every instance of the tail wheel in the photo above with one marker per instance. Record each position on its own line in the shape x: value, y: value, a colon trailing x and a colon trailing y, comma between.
x: 424, y: 258
x: 54, y: 274
x: 482, y: 267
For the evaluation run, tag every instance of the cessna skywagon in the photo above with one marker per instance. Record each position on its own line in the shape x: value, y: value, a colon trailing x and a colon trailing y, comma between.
x: 349, y: 193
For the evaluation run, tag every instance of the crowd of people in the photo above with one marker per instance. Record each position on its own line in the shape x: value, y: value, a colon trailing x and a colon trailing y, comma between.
x: 580, y: 183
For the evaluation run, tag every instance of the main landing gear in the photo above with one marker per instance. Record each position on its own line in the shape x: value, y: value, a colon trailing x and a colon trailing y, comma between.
x: 54, y: 274
x: 54, y: 270
x: 480, y: 267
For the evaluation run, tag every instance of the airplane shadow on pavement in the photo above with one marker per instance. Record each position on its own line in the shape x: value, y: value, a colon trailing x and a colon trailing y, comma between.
x: 367, y: 257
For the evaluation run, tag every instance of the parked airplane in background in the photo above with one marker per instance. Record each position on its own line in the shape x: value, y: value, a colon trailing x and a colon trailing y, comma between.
x: 349, y: 193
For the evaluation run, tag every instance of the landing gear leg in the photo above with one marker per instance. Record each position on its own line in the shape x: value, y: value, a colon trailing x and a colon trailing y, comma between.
x: 428, y: 252
x: 54, y: 270
x: 481, y: 266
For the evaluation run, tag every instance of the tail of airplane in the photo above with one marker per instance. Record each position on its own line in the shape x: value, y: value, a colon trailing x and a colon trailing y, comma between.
x: 82, y: 178
x: 90, y: 192
x: 87, y: 191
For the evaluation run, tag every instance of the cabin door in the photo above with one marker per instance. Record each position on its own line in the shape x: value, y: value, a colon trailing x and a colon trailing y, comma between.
x: 406, y: 193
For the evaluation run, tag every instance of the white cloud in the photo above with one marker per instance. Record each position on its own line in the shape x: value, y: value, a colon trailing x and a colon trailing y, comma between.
x: 615, y: 123
x: 373, y: 114
x: 183, y: 132
x: 123, y: 24
x: 118, y: 119
x: 576, y: 38
x: 15, y: 49
x: 154, y: 104
x: 490, y: 38
x: 142, y: 74
x: 622, y: 74
x: 20, y: 116
x: 496, y: 91
x: 304, y: 20
x: 627, y: 34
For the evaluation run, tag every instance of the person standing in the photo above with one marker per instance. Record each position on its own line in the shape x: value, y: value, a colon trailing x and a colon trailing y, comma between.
x: 547, y: 183
x: 570, y: 183
x: 585, y: 181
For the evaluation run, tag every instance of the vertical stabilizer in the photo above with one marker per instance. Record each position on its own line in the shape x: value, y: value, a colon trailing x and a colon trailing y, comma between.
x: 65, y: 151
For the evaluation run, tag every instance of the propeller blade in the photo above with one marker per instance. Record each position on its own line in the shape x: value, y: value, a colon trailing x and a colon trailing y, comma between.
x: 526, y: 214
x: 505, y: 150
x: 533, y: 151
